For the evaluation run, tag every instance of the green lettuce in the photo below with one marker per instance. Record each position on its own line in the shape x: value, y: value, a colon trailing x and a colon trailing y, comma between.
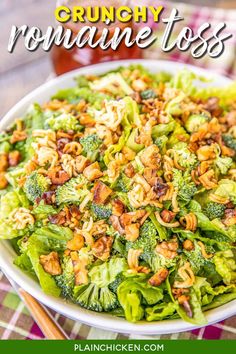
x: 186, y: 81
x: 226, y: 189
x: 104, y: 274
x: 160, y: 312
x: 11, y: 201
x: 226, y: 266
x: 135, y: 291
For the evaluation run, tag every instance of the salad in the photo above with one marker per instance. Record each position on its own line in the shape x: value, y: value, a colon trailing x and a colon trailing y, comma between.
x: 119, y: 194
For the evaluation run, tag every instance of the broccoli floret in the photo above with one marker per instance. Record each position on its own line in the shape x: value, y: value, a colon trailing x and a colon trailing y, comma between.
x: 214, y: 210
x: 101, y: 211
x: 147, y: 242
x: 147, y: 238
x: 114, y: 285
x: 73, y: 191
x: 66, y: 281
x: 91, y: 144
x: 223, y: 164
x: 163, y: 129
x: 194, y: 122
x: 97, y: 299
x: 157, y: 261
x: 174, y: 139
x: 195, y: 257
x: 186, y: 187
x: 229, y: 141
x: 161, y: 143
x: 89, y: 298
x: 185, y: 157
x: 35, y: 185
x: 108, y: 299
x: 122, y: 183
x: 64, y: 122
x: 147, y: 94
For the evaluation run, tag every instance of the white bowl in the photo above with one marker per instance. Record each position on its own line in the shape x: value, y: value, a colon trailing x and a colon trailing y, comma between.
x: 7, y: 254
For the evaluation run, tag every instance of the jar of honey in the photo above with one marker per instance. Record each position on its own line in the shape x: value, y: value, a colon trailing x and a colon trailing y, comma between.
x: 65, y: 60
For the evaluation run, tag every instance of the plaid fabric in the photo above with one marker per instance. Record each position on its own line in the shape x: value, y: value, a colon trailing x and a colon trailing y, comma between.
x: 15, y: 320
x: 194, y: 17
x: 17, y: 323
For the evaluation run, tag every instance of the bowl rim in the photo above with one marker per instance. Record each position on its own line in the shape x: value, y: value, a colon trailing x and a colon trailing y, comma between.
x: 101, y: 320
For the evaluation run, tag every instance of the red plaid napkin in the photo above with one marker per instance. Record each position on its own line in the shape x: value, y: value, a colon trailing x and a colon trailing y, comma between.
x: 15, y: 320
x: 194, y: 17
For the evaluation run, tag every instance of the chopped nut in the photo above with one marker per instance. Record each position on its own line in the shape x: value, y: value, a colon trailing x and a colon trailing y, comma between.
x: 117, y: 207
x: 230, y: 217
x: 231, y: 118
x: 212, y: 105
x: 67, y: 217
x: 102, y: 247
x: 30, y: 167
x: 206, y: 152
x: 14, y: 158
x: 188, y: 245
x: 128, y: 153
x: 3, y: 162
x: 139, y: 85
x: 116, y: 224
x: 81, y: 162
x: 168, y: 249
x: 58, y: 176
x: 150, y: 174
x: 226, y: 151
x: 132, y: 232
x: 87, y: 120
x: 58, y: 219
x: 167, y: 215
x: 133, y: 216
x: 177, y: 292
x: 3, y: 181
x: 136, y: 96
x: 81, y: 106
x: 93, y: 171
x: 129, y: 170
x: 18, y: 136
x: 159, y: 277
x: 101, y: 192
x: 80, y: 268
x: 51, y: 263
x: 151, y: 157
x: 76, y: 243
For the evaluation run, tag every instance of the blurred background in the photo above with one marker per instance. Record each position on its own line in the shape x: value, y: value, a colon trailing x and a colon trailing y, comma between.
x: 23, y: 71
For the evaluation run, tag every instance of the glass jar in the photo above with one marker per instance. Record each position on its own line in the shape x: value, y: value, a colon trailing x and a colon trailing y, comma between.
x: 65, y: 60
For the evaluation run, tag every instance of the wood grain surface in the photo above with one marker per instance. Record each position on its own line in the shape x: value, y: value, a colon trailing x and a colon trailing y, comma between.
x: 22, y: 71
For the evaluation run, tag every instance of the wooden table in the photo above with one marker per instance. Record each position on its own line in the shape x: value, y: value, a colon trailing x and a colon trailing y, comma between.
x: 22, y: 71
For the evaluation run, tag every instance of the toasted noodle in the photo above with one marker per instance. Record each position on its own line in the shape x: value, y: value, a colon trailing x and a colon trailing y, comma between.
x: 121, y: 194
